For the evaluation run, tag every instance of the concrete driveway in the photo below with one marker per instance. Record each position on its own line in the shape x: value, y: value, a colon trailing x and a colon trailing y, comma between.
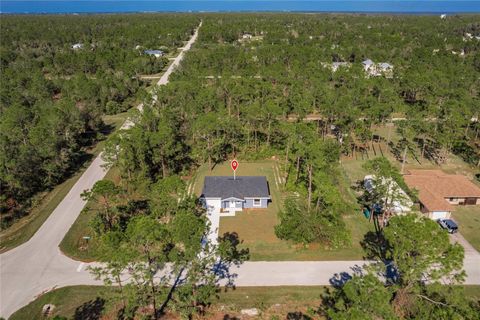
x: 471, y: 263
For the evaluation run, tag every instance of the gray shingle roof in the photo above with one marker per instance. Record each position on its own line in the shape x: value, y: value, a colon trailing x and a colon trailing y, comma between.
x: 153, y: 52
x: 241, y: 187
x: 367, y: 62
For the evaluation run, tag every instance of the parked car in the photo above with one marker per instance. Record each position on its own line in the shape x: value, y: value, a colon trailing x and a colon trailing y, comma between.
x: 448, y: 225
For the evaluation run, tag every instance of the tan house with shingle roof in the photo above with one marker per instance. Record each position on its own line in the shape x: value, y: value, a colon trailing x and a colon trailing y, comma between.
x: 439, y: 192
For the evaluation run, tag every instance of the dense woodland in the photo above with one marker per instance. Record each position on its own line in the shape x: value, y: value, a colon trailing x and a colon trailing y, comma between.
x: 242, y: 96
x: 53, y: 96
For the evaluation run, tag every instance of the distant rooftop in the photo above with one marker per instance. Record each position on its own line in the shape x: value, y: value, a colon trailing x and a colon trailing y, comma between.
x: 153, y: 52
x: 240, y: 188
x: 367, y: 62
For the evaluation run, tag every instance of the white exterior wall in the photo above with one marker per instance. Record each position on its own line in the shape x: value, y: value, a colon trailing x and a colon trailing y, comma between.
x: 216, y: 203
x: 434, y: 215
x: 455, y: 200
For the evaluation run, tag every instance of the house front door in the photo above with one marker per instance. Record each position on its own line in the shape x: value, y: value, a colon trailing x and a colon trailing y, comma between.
x: 232, y: 203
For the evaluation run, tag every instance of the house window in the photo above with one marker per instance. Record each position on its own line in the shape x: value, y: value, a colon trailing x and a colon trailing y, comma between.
x: 453, y: 199
x: 257, y: 202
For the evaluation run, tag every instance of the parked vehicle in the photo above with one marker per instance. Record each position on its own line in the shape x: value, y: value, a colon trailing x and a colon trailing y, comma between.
x: 448, y: 225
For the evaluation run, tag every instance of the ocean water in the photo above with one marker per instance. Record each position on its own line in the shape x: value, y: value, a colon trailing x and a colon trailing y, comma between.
x: 365, y: 6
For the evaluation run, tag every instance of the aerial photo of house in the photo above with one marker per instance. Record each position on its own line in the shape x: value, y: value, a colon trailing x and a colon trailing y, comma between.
x: 227, y: 195
x: 304, y: 160
x: 438, y: 192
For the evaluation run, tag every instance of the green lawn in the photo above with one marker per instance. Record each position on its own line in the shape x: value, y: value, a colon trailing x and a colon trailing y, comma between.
x: 73, y: 244
x: 255, y: 227
x: 79, y: 302
x: 454, y: 164
x: 88, y: 302
x: 468, y: 218
x: 271, y: 302
x: 473, y: 292
x: 22, y: 230
x: 76, y: 302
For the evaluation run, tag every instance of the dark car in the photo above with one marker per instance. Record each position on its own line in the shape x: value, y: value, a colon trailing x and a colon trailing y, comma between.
x: 448, y: 225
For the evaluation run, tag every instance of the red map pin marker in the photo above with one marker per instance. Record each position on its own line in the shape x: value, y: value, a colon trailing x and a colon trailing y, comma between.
x: 234, y: 165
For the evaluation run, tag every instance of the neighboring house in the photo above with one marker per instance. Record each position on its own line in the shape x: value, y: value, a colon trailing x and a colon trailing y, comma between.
x: 155, y: 53
x: 77, y: 46
x: 334, y: 66
x: 373, y: 69
x: 247, y: 36
x: 398, y: 200
x: 228, y: 195
x: 367, y: 64
x: 439, y: 193
x: 385, y: 67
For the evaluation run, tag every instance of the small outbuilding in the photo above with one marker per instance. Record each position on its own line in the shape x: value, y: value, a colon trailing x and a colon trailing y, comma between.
x: 77, y: 46
x: 397, y: 199
x: 155, y: 53
x: 334, y: 66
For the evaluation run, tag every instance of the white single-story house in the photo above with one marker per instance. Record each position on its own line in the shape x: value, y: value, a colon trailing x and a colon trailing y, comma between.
x: 77, y: 46
x: 228, y: 195
x: 247, y: 36
x: 155, y: 53
x: 401, y: 204
x: 384, y: 66
x: 367, y: 64
x: 334, y: 66
x: 377, y: 69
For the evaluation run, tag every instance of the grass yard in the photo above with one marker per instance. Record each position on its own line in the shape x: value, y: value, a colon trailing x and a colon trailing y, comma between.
x: 22, y: 230
x: 76, y: 302
x: 90, y: 302
x: 258, y: 236
x: 287, y: 302
x: 468, y: 218
x: 73, y: 244
x: 255, y: 227
x: 453, y: 165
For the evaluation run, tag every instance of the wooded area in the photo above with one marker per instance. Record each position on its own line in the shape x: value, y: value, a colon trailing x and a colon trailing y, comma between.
x: 245, y: 88
x: 59, y: 75
x: 248, y: 89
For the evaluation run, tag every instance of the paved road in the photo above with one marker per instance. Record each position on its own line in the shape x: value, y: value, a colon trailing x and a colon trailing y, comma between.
x: 38, y: 264
x: 471, y: 263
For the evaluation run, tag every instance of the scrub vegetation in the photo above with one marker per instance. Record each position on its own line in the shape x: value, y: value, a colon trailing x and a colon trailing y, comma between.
x: 289, y: 88
x: 59, y: 75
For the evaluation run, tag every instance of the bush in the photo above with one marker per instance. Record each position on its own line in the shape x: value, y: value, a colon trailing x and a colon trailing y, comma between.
x: 112, y: 107
x: 303, y: 225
